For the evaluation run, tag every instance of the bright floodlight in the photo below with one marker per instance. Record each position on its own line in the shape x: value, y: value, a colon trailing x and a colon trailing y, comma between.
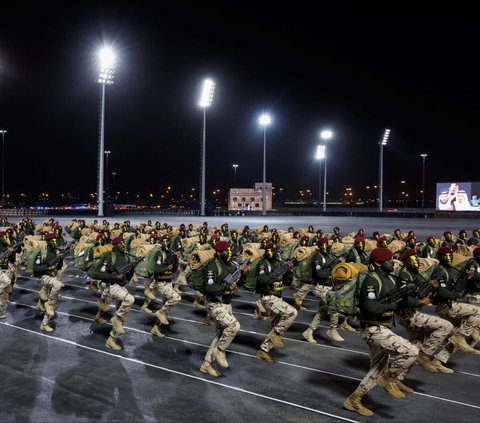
x: 264, y: 120
x: 326, y: 134
x: 207, y: 93
x: 385, y: 136
x: 320, y: 152
x: 108, y: 61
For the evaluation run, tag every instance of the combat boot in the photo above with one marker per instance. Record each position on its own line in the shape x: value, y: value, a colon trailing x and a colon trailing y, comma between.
x: 276, y: 339
x: 162, y: 316
x: 354, y: 403
x: 265, y: 356
x: 99, y: 318
x: 197, y: 303
x: 440, y: 367
x: 43, y: 294
x: 424, y: 361
x: 148, y: 292
x: 333, y: 333
x: 134, y: 280
x: 157, y: 332
x: 117, y: 323
x: 298, y: 302
x: 404, y: 387
x: 458, y: 341
x: 260, y: 306
x: 259, y: 316
x: 145, y: 308
x: 177, y: 288
x: 390, y: 385
x: 308, y: 335
x: 346, y: 326
x: 46, y: 328
x: 220, y: 357
x: 112, y: 344
x: 207, y: 368
x: 2, y: 314
x: 49, y: 309
x: 102, y: 304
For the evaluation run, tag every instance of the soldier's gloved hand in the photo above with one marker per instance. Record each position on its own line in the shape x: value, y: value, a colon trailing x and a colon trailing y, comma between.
x: 424, y: 301
x: 120, y: 276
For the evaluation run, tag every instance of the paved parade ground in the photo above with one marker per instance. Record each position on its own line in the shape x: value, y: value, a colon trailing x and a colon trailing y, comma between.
x: 70, y: 376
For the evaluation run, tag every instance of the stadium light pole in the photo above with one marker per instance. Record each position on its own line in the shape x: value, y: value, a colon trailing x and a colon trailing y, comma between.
x: 234, y: 175
x: 319, y: 156
x: 113, y: 184
x: 3, y: 131
x: 107, y: 155
x: 206, y: 99
x: 264, y: 120
x: 423, y: 156
x: 382, y: 143
x: 107, y: 71
x: 325, y: 135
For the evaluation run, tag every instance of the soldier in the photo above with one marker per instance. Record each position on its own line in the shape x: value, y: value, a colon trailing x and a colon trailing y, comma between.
x: 425, y: 331
x: 114, y: 269
x: 376, y: 319
x: 462, y: 238
x: 304, y: 274
x: 9, y: 267
x: 50, y: 270
x: 454, y: 311
x: 472, y: 295
x: 224, y: 230
x: 166, y: 264
x: 321, y: 270
x: 448, y: 241
x: 475, y: 238
x: 430, y: 250
x: 269, y: 275
x: 382, y: 242
x: 219, y: 297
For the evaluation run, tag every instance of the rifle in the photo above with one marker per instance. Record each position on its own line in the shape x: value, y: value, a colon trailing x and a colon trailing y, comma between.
x: 280, y: 270
x: 128, y: 267
x: 235, y: 275
x: 337, y: 260
x: 427, y: 288
x: 398, y: 294
x: 15, y: 248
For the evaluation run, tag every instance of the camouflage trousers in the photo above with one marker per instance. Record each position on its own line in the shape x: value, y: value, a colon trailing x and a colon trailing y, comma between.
x: 465, y: 318
x: 426, y: 331
x: 304, y: 289
x: 283, y: 316
x: 6, y: 277
x: 320, y: 291
x: 170, y: 296
x: 382, y: 342
x: 122, y: 298
x: 51, y: 285
x: 473, y: 298
x: 226, y: 327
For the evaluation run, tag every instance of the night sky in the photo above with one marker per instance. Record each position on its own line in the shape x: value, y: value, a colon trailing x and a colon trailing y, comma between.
x: 355, y: 75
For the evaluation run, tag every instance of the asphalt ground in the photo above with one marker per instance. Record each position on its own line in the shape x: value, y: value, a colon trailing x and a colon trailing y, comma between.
x: 70, y: 376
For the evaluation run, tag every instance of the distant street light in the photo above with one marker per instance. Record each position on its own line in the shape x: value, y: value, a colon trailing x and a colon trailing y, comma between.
x: 107, y: 70
x: 325, y: 135
x: 383, y: 142
x: 234, y: 175
x: 423, y: 156
x: 3, y: 131
x: 320, y: 156
x: 107, y: 154
x: 205, y: 101
x: 264, y: 120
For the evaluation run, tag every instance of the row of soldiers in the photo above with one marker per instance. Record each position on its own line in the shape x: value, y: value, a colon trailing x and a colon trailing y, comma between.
x: 432, y: 338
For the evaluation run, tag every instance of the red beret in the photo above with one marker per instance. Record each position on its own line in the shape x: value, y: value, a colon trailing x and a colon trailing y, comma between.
x: 305, y: 238
x: 100, y: 236
x: 214, y: 237
x: 376, y: 233
x: 221, y: 246
x: 270, y: 246
x: 446, y: 233
x: 359, y: 239
x: 380, y: 255
x: 182, y: 226
x: 117, y: 240
x: 49, y: 236
x: 322, y: 241
x: 429, y: 237
x: 2, y: 233
x: 444, y: 250
x: 409, y: 237
x: 476, y: 251
x: 407, y: 254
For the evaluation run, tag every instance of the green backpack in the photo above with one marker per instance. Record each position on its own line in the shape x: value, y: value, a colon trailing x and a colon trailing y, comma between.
x: 251, y: 275
x: 343, y: 298
x: 30, y: 256
x: 196, y: 279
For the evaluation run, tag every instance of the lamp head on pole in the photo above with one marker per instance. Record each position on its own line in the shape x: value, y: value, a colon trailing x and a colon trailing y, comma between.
x: 386, y: 134
x: 235, y: 166
x: 207, y: 93
x: 320, y: 152
x: 108, y: 62
x: 423, y: 155
x: 265, y: 120
x: 326, y: 134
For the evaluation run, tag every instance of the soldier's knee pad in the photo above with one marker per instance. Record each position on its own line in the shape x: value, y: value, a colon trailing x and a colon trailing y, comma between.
x: 129, y: 299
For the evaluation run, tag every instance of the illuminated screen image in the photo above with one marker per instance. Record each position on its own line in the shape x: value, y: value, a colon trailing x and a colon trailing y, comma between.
x: 458, y: 196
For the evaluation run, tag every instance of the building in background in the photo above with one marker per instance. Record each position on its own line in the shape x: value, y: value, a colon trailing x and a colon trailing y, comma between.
x: 250, y: 199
